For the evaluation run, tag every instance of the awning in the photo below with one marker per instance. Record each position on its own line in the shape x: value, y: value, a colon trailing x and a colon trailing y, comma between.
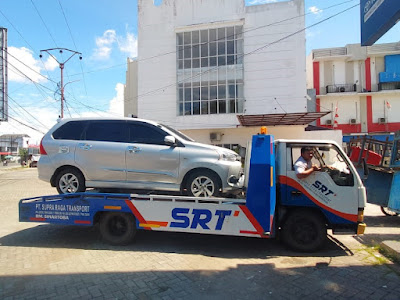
x: 303, y: 118
x: 5, y: 153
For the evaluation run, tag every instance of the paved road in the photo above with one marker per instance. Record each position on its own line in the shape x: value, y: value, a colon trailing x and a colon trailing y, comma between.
x: 40, y: 261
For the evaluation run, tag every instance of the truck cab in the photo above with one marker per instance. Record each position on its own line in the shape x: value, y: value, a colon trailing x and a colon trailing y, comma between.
x: 334, y: 195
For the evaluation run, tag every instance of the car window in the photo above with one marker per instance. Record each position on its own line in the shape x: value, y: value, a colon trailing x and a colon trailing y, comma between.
x: 178, y: 133
x: 107, y: 131
x: 70, y: 131
x: 146, y: 134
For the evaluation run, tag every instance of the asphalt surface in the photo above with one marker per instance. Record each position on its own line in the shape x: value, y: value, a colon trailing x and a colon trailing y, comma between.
x: 40, y: 261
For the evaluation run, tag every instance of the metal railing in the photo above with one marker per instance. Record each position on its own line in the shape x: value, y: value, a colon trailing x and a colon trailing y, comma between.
x: 330, y: 52
x: 384, y: 86
x: 341, y: 88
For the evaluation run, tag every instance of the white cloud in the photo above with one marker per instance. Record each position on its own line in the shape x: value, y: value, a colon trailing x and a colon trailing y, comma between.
x: 23, y: 67
x: 314, y: 10
x: 128, y: 44
x: 105, y: 43
x: 117, y: 103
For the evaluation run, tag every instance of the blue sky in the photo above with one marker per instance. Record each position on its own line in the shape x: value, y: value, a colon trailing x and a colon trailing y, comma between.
x: 105, y: 32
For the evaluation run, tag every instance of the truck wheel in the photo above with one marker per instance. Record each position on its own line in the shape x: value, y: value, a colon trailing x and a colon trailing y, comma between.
x: 304, y: 231
x: 203, y: 184
x: 388, y: 212
x: 70, y: 181
x: 117, y: 228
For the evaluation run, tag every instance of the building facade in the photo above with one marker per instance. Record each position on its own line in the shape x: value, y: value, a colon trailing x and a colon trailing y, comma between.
x: 11, y: 143
x: 360, y: 85
x: 203, y: 63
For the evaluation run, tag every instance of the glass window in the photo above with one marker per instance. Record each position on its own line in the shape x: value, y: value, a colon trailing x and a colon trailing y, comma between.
x: 330, y: 160
x: 107, y: 131
x: 213, y: 35
x: 195, y: 37
x: 213, y: 107
x: 204, y: 36
x: 179, y: 39
x: 196, y: 51
x: 204, y: 93
x: 204, y: 108
x: 207, y: 53
x: 187, y: 37
x: 221, y: 91
x: 196, y: 107
x: 230, y: 33
x: 213, y: 49
x: 145, y: 134
x: 187, y: 52
x: 70, y: 131
x: 204, y: 62
x: 221, y: 48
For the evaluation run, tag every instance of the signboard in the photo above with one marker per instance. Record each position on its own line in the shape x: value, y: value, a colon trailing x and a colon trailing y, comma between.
x: 377, y: 17
x: 3, y: 75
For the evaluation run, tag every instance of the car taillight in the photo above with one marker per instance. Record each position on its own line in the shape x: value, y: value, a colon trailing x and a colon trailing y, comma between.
x: 41, y: 148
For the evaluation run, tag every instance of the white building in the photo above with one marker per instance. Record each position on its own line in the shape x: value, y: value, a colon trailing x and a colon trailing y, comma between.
x: 363, y: 83
x: 203, y: 65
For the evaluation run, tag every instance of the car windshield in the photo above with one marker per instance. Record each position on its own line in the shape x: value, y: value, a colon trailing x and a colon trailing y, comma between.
x: 178, y: 133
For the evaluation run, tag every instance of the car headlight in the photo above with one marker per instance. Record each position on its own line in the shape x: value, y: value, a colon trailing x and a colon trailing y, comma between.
x: 227, y: 156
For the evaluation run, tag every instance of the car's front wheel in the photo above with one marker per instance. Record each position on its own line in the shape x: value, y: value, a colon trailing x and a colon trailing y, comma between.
x: 70, y: 181
x: 203, y: 184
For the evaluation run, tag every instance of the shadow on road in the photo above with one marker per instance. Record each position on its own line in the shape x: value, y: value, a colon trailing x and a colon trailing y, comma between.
x: 80, y: 237
x: 245, y: 281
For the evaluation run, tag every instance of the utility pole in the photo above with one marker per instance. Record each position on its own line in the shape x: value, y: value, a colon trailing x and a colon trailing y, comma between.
x: 61, y: 65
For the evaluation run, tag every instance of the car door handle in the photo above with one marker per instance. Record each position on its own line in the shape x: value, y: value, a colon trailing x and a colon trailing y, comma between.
x: 134, y: 149
x: 84, y: 146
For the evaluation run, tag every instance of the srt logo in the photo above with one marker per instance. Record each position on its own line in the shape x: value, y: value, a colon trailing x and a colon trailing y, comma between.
x: 321, y: 187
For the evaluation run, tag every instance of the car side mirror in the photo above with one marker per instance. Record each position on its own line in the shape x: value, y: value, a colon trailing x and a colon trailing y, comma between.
x: 170, y: 141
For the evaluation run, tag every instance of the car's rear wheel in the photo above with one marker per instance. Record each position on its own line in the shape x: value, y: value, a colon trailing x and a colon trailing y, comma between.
x: 203, y: 184
x: 70, y: 181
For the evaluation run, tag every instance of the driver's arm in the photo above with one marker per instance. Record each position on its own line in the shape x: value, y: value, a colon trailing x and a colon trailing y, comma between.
x: 308, y: 172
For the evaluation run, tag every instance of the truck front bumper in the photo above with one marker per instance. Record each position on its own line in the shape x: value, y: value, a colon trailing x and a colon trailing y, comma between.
x: 361, y: 228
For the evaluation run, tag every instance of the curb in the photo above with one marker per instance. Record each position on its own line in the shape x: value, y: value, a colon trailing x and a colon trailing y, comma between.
x: 392, y: 249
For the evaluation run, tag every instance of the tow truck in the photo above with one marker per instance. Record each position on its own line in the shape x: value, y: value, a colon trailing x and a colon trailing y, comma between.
x: 276, y: 202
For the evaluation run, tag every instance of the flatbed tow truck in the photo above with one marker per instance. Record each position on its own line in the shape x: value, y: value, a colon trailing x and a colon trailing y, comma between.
x: 277, y: 203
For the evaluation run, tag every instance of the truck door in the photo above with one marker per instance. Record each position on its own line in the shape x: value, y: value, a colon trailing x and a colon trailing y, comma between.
x: 331, y: 189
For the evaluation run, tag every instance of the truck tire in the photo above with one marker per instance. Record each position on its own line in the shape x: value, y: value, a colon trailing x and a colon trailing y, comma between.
x: 304, y: 231
x: 117, y: 228
x: 70, y: 181
x: 203, y: 184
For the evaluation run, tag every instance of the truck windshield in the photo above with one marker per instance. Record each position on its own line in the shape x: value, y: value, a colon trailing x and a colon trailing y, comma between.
x: 332, y: 161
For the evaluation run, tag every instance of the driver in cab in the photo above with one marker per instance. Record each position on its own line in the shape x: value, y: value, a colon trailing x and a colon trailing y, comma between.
x: 303, y: 166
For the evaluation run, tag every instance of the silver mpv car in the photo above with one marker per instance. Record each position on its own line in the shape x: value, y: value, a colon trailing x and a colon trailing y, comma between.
x: 131, y: 153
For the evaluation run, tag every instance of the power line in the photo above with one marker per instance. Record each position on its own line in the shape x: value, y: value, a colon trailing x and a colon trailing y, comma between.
x: 26, y: 125
x: 26, y: 111
x: 44, y: 23
x: 73, y: 40
x: 30, y: 68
